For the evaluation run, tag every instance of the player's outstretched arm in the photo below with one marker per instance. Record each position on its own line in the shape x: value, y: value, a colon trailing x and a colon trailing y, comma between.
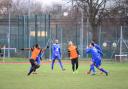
x: 26, y: 49
x: 88, y: 50
x: 44, y: 49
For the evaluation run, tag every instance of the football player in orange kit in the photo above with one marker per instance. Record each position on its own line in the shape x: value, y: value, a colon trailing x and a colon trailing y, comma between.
x: 36, y: 50
x: 73, y: 55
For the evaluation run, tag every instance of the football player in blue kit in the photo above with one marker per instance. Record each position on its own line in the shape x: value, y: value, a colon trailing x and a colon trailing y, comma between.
x: 92, y: 67
x: 96, y: 57
x: 56, y: 54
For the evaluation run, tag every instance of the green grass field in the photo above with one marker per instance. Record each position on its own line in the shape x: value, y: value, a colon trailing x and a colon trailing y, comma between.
x: 14, y: 76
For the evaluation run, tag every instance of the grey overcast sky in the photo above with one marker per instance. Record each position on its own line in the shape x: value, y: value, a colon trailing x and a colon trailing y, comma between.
x: 49, y: 2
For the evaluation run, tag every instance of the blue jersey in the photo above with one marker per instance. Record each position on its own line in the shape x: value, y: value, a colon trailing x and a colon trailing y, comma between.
x: 94, y: 53
x: 39, y: 57
x: 56, y: 50
x: 99, y: 49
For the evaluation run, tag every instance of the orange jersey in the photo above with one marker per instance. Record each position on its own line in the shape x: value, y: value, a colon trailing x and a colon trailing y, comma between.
x: 72, y: 51
x: 35, y: 53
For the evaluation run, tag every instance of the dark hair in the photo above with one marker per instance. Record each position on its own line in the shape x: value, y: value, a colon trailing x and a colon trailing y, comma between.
x: 92, y: 41
x: 37, y: 45
x: 92, y: 44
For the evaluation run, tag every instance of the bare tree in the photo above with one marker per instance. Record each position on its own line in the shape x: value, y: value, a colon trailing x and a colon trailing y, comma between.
x: 119, y: 11
x: 94, y: 11
x: 4, y: 6
x: 21, y: 7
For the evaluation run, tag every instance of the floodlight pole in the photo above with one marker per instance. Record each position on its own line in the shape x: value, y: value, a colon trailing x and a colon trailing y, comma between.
x: 29, y: 38
x: 121, y: 41
x: 100, y: 35
x: 8, y: 36
x: 81, y: 33
x: 87, y: 26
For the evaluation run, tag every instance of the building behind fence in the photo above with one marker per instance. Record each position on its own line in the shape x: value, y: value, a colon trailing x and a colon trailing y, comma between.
x: 23, y: 32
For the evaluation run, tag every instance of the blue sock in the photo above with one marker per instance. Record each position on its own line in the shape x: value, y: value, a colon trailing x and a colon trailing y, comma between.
x: 60, y: 64
x: 30, y: 68
x: 92, y: 68
x: 53, y: 61
x: 101, y: 69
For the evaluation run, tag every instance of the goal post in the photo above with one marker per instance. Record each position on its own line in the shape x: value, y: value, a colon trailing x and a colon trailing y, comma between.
x: 4, y: 52
x: 121, y: 58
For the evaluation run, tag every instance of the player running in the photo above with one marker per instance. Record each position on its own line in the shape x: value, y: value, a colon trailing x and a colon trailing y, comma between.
x: 96, y: 58
x: 56, y: 54
x: 38, y: 60
x: 92, y: 68
x: 36, y: 50
x: 73, y: 55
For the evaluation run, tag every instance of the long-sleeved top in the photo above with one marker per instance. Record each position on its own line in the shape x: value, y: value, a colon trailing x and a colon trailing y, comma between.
x: 94, y: 53
x: 56, y: 51
x: 99, y: 49
x: 73, y: 52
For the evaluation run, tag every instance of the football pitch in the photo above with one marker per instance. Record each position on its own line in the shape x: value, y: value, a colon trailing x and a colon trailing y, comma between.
x: 14, y: 76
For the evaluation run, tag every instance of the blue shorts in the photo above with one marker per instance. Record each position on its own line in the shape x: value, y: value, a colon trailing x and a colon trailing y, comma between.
x: 97, y: 63
x: 92, y: 60
x: 38, y: 60
x: 56, y: 57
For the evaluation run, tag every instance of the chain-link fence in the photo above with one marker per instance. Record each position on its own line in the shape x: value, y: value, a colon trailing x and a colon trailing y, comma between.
x: 26, y: 31
x: 114, y: 40
x: 23, y: 32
